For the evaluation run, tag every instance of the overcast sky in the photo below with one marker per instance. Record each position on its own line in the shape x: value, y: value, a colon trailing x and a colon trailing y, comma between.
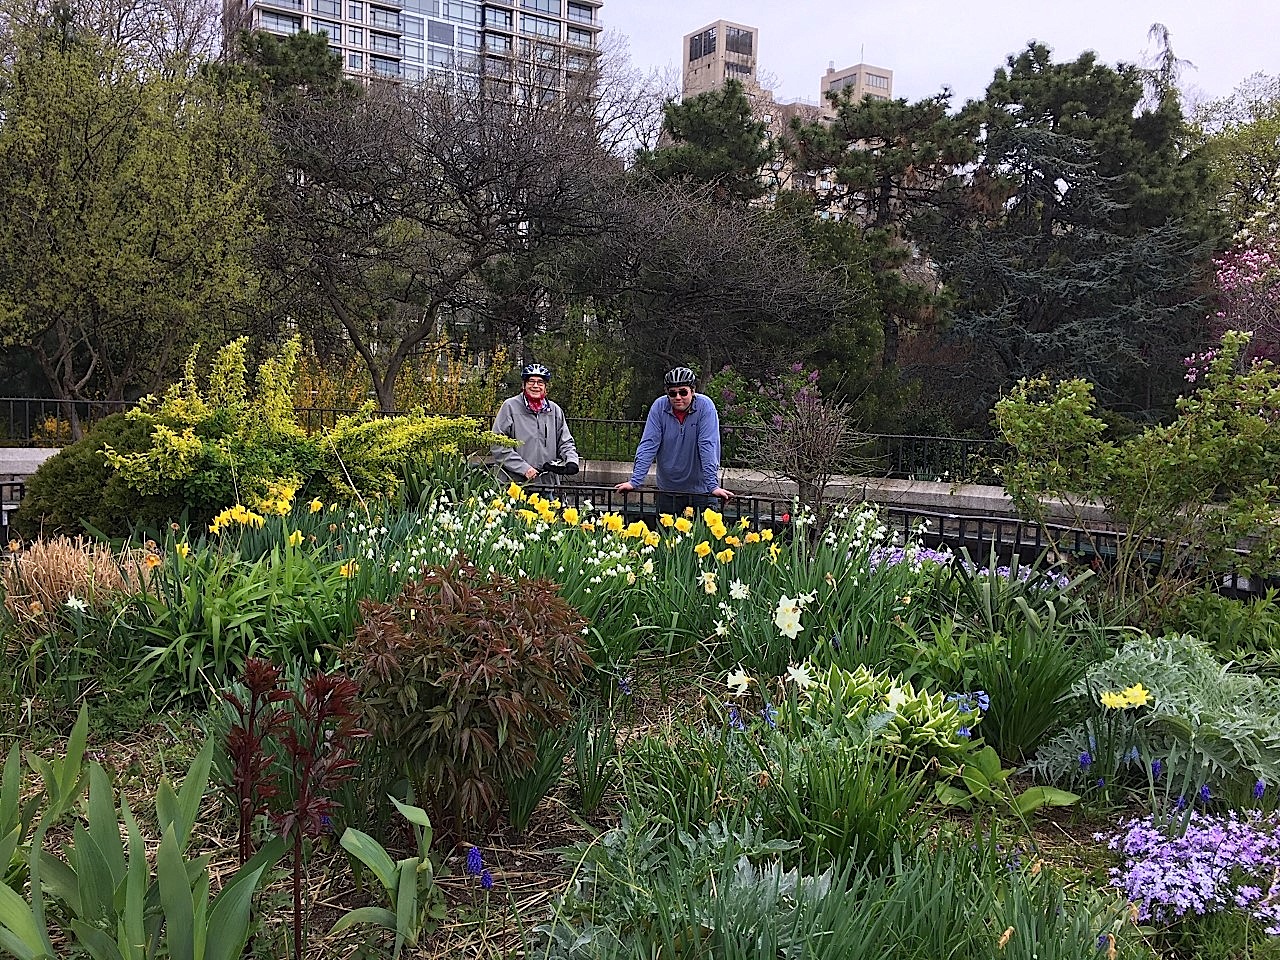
x: 931, y: 43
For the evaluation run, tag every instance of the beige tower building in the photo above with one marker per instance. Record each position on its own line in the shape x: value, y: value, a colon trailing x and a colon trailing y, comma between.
x: 861, y: 80
x: 718, y: 52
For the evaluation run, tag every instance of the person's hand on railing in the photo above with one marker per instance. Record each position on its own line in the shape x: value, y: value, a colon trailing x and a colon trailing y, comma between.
x: 624, y: 486
x: 722, y: 493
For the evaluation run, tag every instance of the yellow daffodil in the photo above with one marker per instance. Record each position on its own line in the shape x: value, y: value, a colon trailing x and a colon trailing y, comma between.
x: 611, y: 522
x: 651, y: 538
x: 589, y: 527
x: 635, y: 530
x: 183, y: 550
x: 753, y: 537
x: 349, y: 569
x: 733, y: 541
x: 773, y: 552
x: 766, y: 534
x: 744, y: 523
x: 724, y: 556
x: 316, y: 505
x: 667, y: 520
x: 570, y: 516
x: 718, y: 530
x: 683, y: 524
x: 515, y: 491
x: 295, y: 538
x: 151, y: 561
x: 1137, y: 695
x: 688, y: 512
x: 711, y: 518
x: 702, y: 549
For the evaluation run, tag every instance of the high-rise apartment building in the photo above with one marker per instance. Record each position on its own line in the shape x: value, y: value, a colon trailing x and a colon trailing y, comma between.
x: 861, y: 80
x: 414, y: 40
x: 718, y: 52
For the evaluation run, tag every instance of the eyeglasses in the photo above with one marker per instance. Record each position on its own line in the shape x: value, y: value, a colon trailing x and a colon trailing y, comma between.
x: 682, y: 392
x: 535, y: 382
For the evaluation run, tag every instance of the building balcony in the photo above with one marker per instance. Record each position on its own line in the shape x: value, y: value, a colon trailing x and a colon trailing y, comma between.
x: 293, y: 6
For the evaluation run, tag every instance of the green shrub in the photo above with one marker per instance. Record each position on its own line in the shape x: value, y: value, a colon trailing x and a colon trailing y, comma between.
x: 76, y: 487
x: 1205, y: 725
x: 1239, y: 630
x: 462, y: 673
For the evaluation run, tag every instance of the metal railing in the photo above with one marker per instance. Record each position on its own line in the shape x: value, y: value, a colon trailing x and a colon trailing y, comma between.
x: 11, y: 494
x: 39, y: 421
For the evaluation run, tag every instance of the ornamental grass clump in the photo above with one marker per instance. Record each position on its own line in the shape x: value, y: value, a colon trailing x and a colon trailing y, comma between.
x: 1218, y: 864
x: 461, y: 673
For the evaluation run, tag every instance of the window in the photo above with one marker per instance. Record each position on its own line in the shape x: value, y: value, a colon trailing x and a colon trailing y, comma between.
x: 737, y: 41
x: 412, y: 26
x: 355, y: 37
x: 440, y: 56
x: 383, y: 43
x: 741, y: 69
x: 278, y: 22
x: 539, y: 27
x: 355, y: 11
x: 411, y: 71
x: 583, y: 38
x: 355, y: 61
x: 462, y: 12
x: 440, y: 32
x: 497, y: 19
x: 469, y: 62
x: 412, y: 50
x: 700, y: 44
x: 385, y: 19
x: 468, y: 39
x: 332, y: 8
x: 576, y: 62
x: 875, y: 81
x: 384, y: 67
x: 334, y: 30
x: 580, y: 13
x: 430, y: 7
x: 497, y: 42
x: 542, y: 6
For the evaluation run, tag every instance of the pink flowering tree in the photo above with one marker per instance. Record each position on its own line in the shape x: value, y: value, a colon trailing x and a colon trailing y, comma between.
x: 1248, y: 290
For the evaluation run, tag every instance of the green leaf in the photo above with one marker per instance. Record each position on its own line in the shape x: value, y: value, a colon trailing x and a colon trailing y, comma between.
x: 95, y: 941
x: 1033, y: 798
x: 228, y: 929
x: 175, y: 898
x: 372, y: 854
x: 104, y: 823
x: 19, y: 921
x: 406, y: 905
x: 376, y: 915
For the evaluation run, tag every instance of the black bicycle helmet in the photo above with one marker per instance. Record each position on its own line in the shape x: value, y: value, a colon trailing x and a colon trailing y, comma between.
x: 680, y: 375
x: 535, y: 370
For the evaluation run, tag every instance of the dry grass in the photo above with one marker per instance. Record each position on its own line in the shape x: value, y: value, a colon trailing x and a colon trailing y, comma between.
x: 39, y: 580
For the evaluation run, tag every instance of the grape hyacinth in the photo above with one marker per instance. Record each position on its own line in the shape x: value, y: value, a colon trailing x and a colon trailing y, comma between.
x: 475, y: 862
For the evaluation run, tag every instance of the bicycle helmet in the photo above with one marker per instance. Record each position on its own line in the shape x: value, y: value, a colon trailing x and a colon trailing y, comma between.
x: 535, y: 370
x: 680, y: 375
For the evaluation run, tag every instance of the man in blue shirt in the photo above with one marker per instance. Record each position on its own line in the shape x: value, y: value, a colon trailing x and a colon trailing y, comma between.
x: 682, y: 435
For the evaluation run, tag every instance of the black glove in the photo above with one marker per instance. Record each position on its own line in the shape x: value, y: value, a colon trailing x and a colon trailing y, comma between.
x: 565, y: 469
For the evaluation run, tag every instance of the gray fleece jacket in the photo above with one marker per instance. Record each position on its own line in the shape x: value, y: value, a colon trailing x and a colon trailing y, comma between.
x: 542, y: 436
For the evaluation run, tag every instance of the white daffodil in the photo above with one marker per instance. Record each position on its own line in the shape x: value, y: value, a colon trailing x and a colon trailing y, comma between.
x: 787, y: 620
x: 721, y: 629
x: 800, y: 676
x: 709, y: 582
x: 739, y: 590
x: 75, y: 603
x: 738, y: 682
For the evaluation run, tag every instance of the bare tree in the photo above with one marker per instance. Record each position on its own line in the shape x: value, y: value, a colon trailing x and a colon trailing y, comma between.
x: 398, y: 203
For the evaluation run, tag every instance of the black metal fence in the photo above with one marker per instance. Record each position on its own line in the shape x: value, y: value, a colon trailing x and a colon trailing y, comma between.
x: 35, y: 421
x: 11, y: 494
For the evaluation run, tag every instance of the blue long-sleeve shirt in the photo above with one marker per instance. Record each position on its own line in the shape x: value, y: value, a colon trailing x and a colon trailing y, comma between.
x: 687, y: 454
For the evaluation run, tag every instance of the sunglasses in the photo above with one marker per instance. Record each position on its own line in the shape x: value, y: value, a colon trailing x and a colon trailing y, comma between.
x: 683, y: 392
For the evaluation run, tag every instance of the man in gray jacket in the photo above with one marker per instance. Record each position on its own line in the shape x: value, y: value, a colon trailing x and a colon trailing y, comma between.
x: 539, y: 426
